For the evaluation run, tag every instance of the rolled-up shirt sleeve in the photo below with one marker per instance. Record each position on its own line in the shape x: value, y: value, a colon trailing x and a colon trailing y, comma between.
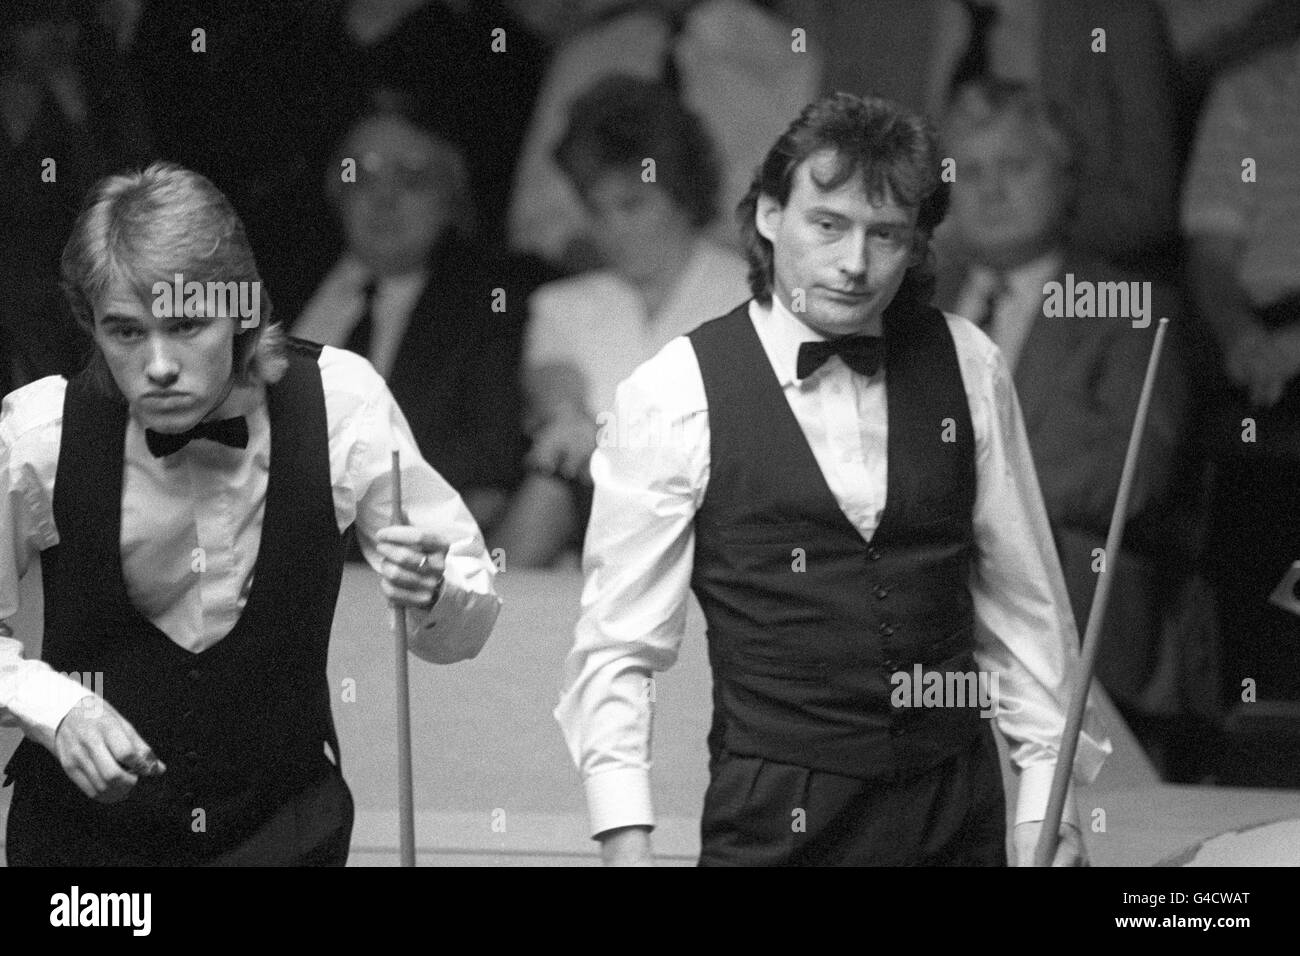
x: 649, y: 472
x: 1025, y: 629
x: 460, y: 620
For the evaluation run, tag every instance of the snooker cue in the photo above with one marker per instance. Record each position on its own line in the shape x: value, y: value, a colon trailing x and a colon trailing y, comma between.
x: 405, y: 790
x: 1045, y: 852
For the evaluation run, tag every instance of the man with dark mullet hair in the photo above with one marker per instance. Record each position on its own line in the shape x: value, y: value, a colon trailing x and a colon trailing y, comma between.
x: 187, y: 495
x: 847, y: 488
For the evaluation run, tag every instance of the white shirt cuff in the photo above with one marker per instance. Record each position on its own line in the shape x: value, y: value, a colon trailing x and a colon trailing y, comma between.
x: 42, y: 700
x: 619, y: 798
x: 1035, y: 791
x: 455, y: 628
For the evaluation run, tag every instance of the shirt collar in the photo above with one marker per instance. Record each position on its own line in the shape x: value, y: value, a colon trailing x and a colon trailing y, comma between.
x: 781, y: 334
x: 1024, y: 280
x: 242, y: 400
x: 404, y: 288
x: 348, y: 273
x: 352, y: 275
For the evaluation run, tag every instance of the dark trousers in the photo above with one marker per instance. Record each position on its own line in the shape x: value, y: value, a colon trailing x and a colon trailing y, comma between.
x: 761, y: 813
x: 313, y: 828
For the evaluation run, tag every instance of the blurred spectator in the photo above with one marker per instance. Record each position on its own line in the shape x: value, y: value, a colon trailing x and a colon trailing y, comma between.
x: 1241, y: 215
x: 1078, y: 378
x: 443, y: 53
x: 1214, y: 37
x: 556, y: 21
x: 69, y: 117
x: 732, y: 64
x: 284, y: 79
x: 1121, y: 101
x: 439, y: 315
x: 588, y: 333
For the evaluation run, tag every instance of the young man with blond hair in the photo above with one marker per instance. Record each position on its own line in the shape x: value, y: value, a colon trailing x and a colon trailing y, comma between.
x: 187, y: 495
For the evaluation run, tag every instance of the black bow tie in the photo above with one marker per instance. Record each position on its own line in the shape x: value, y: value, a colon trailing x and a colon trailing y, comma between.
x: 862, y: 353
x: 228, y: 431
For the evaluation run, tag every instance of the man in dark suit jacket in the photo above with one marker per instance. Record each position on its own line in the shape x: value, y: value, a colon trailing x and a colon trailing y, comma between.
x: 1077, y: 334
x: 440, y: 316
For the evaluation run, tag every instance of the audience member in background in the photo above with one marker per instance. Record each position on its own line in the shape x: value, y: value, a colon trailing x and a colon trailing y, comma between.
x: 662, y: 278
x: 1078, y: 378
x: 439, y: 316
x: 554, y: 22
x: 733, y: 64
x: 67, y: 116
x: 286, y: 79
x: 1121, y: 100
x: 471, y: 64
x: 1241, y: 215
x: 1211, y: 38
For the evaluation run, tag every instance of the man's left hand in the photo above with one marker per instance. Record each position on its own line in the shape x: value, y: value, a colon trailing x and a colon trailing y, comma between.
x: 413, y: 566
x: 1070, y: 850
x: 564, y: 445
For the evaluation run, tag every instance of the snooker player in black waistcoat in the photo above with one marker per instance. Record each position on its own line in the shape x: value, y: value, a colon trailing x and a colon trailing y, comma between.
x: 187, y: 495
x: 840, y: 473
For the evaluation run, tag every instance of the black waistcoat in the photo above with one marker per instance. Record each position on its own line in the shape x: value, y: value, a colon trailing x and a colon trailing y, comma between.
x: 240, y: 726
x: 806, y: 620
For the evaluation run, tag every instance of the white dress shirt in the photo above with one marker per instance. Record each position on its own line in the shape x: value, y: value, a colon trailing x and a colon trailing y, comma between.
x: 640, y: 548
x: 212, y: 497
x: 739, y: 74
x: 335, y: 309
x: 598, y: 322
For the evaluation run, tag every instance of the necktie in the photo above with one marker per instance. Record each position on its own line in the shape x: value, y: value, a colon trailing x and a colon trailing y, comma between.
x: 672, y: 74
x: 974, y: 64
x: 862, y: 353
x: 359, y: 337
x: 992, y: 299
x: 228, y: 431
